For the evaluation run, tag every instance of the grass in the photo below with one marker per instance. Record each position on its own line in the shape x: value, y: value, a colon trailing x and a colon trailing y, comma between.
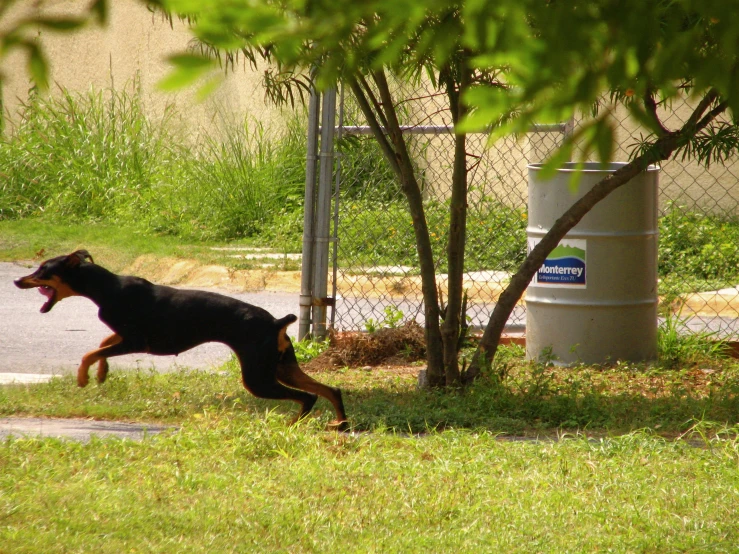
x: 429, y: 472
x: 525, y: 399
x: 117, y: 246
x: 246, y: 485
x: 422, y: 470
x: 96, y: 157
x: 496, y: 234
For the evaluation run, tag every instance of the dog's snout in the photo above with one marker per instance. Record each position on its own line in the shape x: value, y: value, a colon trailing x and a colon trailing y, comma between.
x: 21, y: 283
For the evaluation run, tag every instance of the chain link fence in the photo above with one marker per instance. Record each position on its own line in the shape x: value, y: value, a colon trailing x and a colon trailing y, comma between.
x: 376, y: 276
x: 699, y: 230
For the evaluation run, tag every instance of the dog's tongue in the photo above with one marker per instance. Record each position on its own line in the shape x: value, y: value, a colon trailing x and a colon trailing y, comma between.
x: 48, y: 292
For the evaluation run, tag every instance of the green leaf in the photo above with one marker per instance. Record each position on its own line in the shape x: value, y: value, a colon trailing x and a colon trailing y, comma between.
x: 59, y: 23
x: 100, y: 9
x: 560, y: 157
x: 188, y: 68
x: 37, y: 66
x: 209, y: 87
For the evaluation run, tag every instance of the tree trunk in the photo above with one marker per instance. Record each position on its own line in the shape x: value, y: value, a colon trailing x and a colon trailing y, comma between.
x: 662, y: 149
x: 396, y: 152
x: 450, y: 328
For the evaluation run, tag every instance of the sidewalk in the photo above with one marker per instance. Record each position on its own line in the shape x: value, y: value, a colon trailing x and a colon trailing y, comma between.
x: 75, y: 429
x: 24, y: 378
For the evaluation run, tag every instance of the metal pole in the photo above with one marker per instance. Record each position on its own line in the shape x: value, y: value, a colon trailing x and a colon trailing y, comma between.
x: 337, y: 190
x: 306, y: 276
x: 323, y: 215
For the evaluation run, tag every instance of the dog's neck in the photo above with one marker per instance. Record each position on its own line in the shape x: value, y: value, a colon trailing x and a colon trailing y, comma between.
x: 94, y: 282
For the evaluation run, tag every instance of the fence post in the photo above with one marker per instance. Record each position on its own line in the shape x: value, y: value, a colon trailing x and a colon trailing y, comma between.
x: 323, y: 215
x: 306, y: 276
x: 337, y: 201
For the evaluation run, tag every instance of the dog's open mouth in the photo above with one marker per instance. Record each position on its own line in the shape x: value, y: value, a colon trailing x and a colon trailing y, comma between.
x: 50, y: 293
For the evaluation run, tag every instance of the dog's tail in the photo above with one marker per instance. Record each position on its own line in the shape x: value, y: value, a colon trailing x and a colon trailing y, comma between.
x: 285, y: 321
x: 283, y: 341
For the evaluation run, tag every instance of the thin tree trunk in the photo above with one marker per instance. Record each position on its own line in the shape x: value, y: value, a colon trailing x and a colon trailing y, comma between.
x: 395, y: 150
x: 662, y: 149
x: 450, y: 328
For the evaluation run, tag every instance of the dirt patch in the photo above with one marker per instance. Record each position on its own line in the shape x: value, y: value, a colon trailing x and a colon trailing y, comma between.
x: 401, y: 345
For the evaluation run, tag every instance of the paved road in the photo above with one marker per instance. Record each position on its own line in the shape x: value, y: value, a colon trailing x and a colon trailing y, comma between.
x: 53, y: 343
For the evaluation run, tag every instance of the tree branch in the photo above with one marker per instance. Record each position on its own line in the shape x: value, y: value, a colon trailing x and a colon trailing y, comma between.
x: 376, y: 104
x: 651, y: 106
x: 377, y: 129
x: 710, y: 97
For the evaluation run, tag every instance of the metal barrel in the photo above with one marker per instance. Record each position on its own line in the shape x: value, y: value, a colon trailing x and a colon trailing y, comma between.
x: 594, y: 300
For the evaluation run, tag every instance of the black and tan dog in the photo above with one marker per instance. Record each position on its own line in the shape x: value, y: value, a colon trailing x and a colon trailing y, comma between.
x: 163, y: 320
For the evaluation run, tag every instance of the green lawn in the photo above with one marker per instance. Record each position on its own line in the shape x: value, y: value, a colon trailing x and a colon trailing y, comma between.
x: 251, y: 484
x: 422, y: 471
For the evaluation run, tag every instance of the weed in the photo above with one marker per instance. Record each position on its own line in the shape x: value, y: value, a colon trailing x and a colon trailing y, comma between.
x: 393, y: 319
x: 307, y: 349
x: 677, y: 345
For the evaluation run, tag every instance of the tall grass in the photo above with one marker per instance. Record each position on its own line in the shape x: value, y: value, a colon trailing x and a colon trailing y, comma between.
x: 97, y: 156
x: 91, y: 157
x: 233, y: 185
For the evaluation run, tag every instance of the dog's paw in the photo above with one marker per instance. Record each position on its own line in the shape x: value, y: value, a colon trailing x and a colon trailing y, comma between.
x: 82, y: 379
x: 337, y: 425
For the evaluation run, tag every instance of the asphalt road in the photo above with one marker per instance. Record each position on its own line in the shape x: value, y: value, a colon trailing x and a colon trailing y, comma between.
x: 53, y: 343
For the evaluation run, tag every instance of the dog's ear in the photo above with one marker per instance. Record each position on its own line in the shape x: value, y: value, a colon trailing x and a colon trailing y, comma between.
x: 76, y: 258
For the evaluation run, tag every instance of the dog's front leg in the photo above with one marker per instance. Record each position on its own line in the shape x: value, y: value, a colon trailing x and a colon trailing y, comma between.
x: 102, y: 373
x: 114, y: 345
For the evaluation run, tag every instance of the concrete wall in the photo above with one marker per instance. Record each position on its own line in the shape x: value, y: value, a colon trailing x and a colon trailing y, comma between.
x: 134, y: 44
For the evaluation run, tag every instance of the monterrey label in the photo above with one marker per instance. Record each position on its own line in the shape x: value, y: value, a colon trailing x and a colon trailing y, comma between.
x: 564, y: 267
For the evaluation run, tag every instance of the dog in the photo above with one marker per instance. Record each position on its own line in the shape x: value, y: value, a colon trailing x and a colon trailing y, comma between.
x: 161, y: 320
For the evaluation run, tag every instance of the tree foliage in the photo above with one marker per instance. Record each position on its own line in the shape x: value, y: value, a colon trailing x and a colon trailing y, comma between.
x: 558, y: 57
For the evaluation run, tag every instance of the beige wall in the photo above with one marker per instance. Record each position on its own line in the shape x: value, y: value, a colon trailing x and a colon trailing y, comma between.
x: 135, y: 43
x: 687, y: 183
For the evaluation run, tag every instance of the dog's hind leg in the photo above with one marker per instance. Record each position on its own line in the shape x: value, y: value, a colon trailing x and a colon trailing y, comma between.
x: 258, y: 377
x: 273, y: 390
x: 289, y: 373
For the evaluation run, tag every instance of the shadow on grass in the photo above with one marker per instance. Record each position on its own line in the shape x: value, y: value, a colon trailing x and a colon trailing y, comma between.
x: 543, y: 405
x: 533, y: 401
